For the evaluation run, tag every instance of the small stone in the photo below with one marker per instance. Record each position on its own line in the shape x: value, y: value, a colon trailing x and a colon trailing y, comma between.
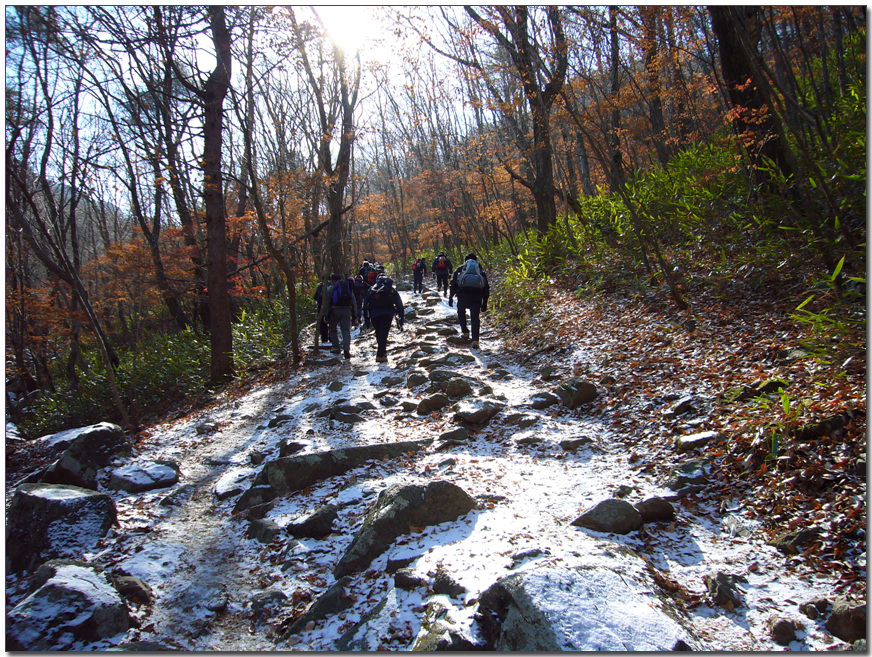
x: 446, y: 585
x: 573, y: 444
x: 656, y: 509
x: 847, y: 620
x: 406, y: 580
x: 782, y: 630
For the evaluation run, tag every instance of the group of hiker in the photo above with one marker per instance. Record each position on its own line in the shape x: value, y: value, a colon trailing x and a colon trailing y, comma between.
x: 371, y: 298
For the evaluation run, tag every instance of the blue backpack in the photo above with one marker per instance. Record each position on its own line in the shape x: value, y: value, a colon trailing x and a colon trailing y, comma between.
x: 341, y: 294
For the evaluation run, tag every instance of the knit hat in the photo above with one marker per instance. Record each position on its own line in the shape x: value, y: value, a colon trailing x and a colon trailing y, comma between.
x: 335, y: 277
x: 471, y: 256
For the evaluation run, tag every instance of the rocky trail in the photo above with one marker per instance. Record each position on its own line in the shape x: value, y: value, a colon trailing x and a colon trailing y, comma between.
x: 452, y: 498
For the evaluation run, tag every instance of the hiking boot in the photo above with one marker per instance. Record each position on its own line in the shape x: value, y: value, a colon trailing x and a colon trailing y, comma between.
x: 335, y: 351
x: 474, y: 344
x: 381, y: 359
x: 464, y: 335
x: 347, y: 354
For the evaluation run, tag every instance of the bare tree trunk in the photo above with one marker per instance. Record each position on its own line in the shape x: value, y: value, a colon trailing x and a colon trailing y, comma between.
x: 217, y: 85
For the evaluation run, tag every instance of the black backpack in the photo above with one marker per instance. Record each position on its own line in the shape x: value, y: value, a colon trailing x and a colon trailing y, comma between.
x: 382, y: 295
x: 341, y: 294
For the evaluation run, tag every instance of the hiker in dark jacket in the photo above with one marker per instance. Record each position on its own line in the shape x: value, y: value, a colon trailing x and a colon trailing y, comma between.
x: 419, y: 268
x: 442, y: 272
x: 380, y: 305
x: 360, y: 288
x: 469, y: 284
x: 339, y: 309
x: 323, y: 326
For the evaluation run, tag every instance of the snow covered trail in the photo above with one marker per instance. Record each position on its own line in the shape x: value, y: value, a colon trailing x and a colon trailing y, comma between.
x: 210, y: 579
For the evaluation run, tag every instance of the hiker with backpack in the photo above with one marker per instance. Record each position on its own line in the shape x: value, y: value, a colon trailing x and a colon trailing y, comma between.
x: 442, y: 272
x: 323, y: 327
x: 469, y: 284
x: 380, y: 305
x: 419, y: 268
x: 359, y: 287
x: 339, y: 308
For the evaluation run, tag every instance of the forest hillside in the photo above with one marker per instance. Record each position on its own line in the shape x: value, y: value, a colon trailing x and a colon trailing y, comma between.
x: 670, y: 207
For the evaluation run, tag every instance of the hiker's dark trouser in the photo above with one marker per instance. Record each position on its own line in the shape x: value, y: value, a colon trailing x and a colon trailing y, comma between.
x: 442, y: 282
x: 474, y: 306
x: 325, y: 331
x: 418, y: 285
x: 382, y: 326
x: 341, y: 316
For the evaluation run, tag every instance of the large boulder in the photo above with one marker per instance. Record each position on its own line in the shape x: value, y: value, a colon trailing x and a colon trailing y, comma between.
x: 141, y: 477
x: 618, y: 516
x: 576, y: 391
x: 47, y: 521
x: 92, y: 449
x: 74, y: 607
x: 397, y: 510
x: 294, y: 473
x: 557, y: 609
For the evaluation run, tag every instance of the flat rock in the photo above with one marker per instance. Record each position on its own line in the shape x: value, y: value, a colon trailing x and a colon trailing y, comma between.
x: 477, y: 412
x: 293, y: 473
x: 555, y: 609
x: 693, y: 441
x: 543, y: 400
x: 144, y: 476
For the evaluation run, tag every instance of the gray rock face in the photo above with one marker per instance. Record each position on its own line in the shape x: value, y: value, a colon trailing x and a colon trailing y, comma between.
x: 89, y: 451
x: 47, y: 521
x: 295, y: 473
x: 397, y: 510
x: 140, y: 477
x: 847, y: 620
x: 618, y: 516
x: 74, y: 607
x: 575, y: 392
x: 477, y: 412
x: 558, y: 609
